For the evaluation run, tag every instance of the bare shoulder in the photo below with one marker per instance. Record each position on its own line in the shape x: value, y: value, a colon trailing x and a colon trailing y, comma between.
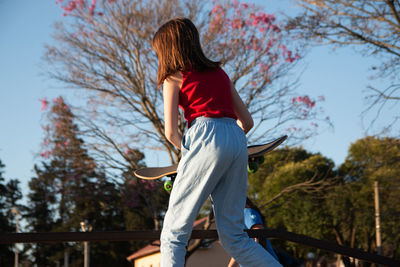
x: 174, y: 80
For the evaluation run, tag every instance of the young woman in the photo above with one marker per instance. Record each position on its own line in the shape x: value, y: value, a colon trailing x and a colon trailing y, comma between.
x: 214, y: 148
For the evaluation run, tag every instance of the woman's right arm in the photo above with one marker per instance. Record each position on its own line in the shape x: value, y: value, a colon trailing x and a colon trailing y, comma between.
x: 171, y: 100
x: 245, y: 121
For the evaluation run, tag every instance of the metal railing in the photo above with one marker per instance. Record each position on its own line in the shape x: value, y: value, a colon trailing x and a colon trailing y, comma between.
x: 113, y: 236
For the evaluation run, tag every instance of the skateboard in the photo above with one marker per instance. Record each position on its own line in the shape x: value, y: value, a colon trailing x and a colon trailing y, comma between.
x: 256, y: 157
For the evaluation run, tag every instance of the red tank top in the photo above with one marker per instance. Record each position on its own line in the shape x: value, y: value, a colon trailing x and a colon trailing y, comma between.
x: 206, y: 94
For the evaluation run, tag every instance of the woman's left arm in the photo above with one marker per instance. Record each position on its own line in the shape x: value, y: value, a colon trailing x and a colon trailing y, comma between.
x: 171, y: 89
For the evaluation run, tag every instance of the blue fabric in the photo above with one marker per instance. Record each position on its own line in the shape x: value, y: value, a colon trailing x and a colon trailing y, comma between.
x: 213, y: 163
x: 253, y: 217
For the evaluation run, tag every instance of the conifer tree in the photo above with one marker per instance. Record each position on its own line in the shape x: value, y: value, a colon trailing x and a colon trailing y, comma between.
x: 10, y: 194
x: 40, y: 214
x: 71, y: 188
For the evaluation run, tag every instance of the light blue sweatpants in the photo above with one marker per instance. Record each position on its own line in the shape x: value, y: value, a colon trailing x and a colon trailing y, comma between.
x: 214, y: 162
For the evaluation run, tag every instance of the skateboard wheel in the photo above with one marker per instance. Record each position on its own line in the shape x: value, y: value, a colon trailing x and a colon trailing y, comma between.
x: 252, y: 167
x: 168, y: 186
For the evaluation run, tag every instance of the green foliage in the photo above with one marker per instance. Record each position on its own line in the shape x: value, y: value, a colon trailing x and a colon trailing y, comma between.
x: 339, y: 204
x: 372, y: 159
x: 289, y: 188
x: 287, y: 167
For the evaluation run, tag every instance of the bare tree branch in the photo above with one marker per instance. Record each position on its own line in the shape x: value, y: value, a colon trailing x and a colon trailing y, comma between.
x: 108, y: 59
x: 373, y: 27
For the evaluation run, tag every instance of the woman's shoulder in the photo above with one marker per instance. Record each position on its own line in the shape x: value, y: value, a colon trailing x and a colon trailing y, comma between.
x: 174, y: 79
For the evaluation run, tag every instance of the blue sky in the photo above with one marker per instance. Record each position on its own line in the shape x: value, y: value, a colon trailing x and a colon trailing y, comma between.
x: 26, y: 26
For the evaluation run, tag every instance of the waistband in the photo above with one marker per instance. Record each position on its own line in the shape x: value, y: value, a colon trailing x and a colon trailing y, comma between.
x: 211, y: 119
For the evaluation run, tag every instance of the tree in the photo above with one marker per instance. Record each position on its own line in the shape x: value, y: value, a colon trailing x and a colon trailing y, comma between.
x: 289, y: 188
x: 370, y: 159
x: 143, y: 201
x: 71, y: 188
x: 104, y: 49
x: 10, y: 194
x: 41, y: 213
x: 339, y: 209
x: 373, y: 27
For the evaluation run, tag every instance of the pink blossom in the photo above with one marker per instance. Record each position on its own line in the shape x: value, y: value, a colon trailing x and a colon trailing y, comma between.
x: 289, y: 60
x: 45, y: 154
x: 81, y: 3
x: 269, y: 44
x: 217, y: 9
x: 266, y: 19
x: 66, y: 143
x: 91, y: 10
x: 263, y: 67
x: 276, y: 29
x: 306, y: 99
x: 283, y: 47
x: 45, y: 103
x: 272, y: 17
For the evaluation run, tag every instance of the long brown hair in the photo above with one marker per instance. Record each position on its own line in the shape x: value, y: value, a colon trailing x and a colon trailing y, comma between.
x: 178, y: 48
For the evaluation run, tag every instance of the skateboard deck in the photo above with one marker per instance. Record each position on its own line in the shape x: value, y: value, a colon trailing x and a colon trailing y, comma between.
x: 256, y: 153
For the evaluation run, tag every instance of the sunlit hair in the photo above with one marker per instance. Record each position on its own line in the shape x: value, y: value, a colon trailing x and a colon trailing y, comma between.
x: 178, y: 48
